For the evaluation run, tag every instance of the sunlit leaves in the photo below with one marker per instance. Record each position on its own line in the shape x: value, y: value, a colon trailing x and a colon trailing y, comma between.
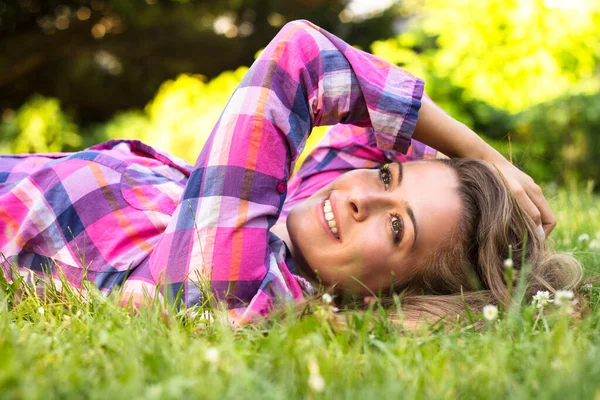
x: 510, y: 53
x: 39, y: 126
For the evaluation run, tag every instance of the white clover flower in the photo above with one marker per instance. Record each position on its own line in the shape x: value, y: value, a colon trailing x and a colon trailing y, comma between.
x: 212, y: 355
x: 490, y: 312
x: 508, y: 263
x: 327, y: 299
x: 564, y: 298
x: 41, y: 310
x: 587, y: 288
x: 542, y: 298
x: 316, y: 383
x: 584, y: 237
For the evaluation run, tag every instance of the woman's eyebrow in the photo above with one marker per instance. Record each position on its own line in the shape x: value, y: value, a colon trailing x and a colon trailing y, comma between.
x: 407, y: 206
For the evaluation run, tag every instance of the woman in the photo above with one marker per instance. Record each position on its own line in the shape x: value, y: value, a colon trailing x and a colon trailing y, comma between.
x: 124, y: 214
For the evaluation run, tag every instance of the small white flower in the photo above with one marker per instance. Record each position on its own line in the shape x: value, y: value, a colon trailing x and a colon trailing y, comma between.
x: 508, y: 263
x: 542, y: 298
x: 212, y: 355
x: 327, y: 299
x: 41, y: 310
x: 587, y: 288
x: 584, y: 237
x: 316, y: 383
x: 490, y: 312
x: 564, y: 298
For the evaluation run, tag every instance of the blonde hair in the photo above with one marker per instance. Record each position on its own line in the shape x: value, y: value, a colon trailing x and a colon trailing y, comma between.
x: 493, y: 228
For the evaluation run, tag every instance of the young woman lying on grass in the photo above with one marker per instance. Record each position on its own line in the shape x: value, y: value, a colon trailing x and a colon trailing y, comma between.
x: 357, y: 215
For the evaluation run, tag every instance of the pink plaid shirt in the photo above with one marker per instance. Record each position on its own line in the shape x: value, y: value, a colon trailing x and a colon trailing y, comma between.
x: 122, y: 213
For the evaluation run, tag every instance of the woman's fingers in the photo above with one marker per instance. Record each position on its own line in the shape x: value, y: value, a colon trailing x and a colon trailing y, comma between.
x: 547, y: 218
x: 527, y: 203
x: 530, y: 197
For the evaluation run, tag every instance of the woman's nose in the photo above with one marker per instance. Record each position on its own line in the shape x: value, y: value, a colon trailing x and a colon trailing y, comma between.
x: 364, y: 202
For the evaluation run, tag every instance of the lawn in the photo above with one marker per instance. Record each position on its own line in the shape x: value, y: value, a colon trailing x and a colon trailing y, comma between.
x: 93, y: 349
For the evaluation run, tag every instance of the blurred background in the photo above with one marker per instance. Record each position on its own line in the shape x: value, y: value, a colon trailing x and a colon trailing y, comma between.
x: 525, y: 74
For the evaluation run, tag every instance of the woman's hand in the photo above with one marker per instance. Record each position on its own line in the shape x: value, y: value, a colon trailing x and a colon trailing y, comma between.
x: 529, y: 195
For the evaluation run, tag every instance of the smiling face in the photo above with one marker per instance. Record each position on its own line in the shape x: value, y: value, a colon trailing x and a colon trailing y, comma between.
x: 388, y: 221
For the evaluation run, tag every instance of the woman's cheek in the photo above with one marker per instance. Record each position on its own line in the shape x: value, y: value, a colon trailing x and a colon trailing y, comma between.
x: 374, y: 253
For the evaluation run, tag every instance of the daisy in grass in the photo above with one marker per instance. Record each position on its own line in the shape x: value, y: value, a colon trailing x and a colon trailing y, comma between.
x: 490, y: 312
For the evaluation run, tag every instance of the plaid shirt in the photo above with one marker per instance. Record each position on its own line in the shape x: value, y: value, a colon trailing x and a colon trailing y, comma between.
x: 124, y: 213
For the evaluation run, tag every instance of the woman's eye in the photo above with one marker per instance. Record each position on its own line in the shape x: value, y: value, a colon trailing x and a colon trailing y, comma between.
x: 385, y: 175
x: 396, y: 225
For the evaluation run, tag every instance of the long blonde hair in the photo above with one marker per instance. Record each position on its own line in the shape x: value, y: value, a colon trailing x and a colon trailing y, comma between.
x: 493, y: 229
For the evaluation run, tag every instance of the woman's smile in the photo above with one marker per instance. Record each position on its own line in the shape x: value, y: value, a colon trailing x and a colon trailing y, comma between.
x: 329, y: 219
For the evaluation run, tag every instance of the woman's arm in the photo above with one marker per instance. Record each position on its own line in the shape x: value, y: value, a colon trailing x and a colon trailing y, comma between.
x: 220, y: 230
x: 442, y: 132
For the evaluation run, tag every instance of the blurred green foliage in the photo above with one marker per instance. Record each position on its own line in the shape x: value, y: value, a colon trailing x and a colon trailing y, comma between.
x: 511, y: 54
x: 525, y: 70
x: 181, y: 116
x: 559, y: 140
x: 39, y: 126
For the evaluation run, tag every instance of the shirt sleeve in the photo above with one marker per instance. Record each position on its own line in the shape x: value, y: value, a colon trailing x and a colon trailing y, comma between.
x: 220, y: 230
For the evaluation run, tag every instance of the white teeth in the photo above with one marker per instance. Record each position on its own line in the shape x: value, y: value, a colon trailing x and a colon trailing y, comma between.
x: 327, y: 210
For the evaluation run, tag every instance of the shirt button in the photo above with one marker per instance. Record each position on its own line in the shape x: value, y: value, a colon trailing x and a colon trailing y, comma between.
x: 281, y: 187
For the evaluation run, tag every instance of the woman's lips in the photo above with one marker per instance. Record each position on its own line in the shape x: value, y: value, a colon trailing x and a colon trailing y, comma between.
x: 324, y: 222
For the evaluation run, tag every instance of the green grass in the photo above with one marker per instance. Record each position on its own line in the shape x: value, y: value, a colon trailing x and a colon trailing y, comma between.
x: 92, y: 348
